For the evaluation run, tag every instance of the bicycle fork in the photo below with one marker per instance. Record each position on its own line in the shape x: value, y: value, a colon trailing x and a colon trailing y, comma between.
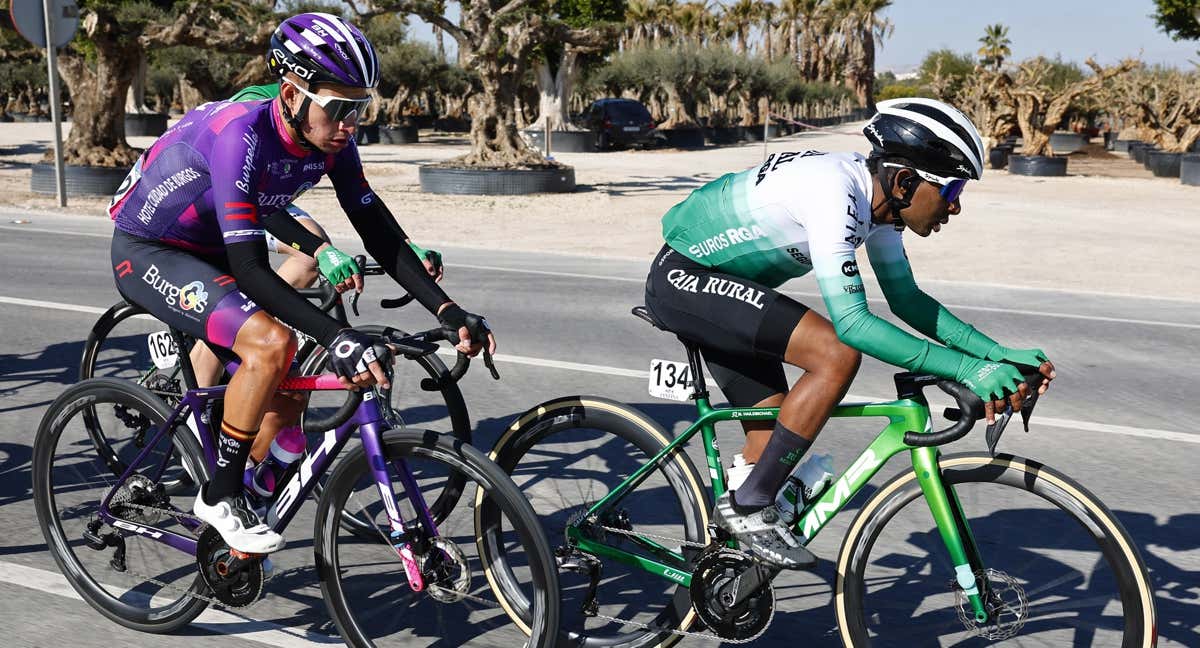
x: 952, y: 525
x: 407, y: 539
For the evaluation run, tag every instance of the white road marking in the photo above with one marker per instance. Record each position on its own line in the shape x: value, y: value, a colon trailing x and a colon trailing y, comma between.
x: 1145, y: 433
x: 42, y: 230
x: 877, y: 301
x: 218, y: 621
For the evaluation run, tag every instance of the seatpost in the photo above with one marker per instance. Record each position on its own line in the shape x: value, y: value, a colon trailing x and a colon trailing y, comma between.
x: 699, y: 389
x: 183, y: 357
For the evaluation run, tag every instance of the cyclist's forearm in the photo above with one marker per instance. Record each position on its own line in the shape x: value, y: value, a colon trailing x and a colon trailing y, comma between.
x: 249, y: 266
x: 284, y: 227
x: 931, y: 318
x: 386, y: 242
x: 861, y: 329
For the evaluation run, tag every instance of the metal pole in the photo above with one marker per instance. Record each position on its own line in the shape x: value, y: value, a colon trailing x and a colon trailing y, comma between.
x: 547, y: 125
x: 766, y: 123
x: 55, y: 115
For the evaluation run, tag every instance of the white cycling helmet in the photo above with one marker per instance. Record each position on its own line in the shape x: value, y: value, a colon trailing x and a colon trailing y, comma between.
x: 934, y: 136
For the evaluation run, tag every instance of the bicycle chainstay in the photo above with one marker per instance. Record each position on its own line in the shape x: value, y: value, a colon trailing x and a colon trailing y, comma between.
x: 186, y: 591
x: 682, y: 633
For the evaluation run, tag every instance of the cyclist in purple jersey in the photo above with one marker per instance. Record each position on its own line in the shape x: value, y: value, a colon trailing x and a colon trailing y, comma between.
x: 189, y: 244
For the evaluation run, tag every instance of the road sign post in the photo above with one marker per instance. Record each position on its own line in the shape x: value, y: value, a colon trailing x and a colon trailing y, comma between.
x: 50, y: 24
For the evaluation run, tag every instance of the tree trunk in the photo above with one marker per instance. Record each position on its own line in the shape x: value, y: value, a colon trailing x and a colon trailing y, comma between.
x: 555, y: 91
x: 135, y: 101
x: 495, y: 141
x: 99, y: 104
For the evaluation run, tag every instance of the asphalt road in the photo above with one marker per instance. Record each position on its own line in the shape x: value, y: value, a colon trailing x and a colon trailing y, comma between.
x: 1119, y: 419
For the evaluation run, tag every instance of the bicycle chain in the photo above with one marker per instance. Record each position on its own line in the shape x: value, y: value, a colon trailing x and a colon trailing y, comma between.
x: 683, y: 633
x: 186, y: 591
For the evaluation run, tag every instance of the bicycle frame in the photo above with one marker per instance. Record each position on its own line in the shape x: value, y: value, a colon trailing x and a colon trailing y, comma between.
x: 905, y: 415
x: 368, y: 419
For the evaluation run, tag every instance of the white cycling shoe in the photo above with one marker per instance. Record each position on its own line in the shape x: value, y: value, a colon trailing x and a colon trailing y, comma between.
x: 238, y: 524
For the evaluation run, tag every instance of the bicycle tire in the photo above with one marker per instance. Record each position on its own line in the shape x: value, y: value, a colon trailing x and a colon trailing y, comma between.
x: 631, y: 426
x: 456, y: 410
x: 1119, y: 551
x: 81, y: 396
x: 416, y: 446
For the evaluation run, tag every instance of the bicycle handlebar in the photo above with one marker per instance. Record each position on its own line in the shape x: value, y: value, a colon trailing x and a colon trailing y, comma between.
x: 970, y: 409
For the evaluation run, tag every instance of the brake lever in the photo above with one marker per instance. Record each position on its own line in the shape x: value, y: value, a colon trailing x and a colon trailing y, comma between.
x: 490, y: 364
x: 354, y: 303
x: 996, y: 429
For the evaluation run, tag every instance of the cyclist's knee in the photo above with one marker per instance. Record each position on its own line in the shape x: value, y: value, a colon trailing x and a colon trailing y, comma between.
x: 264, y: 344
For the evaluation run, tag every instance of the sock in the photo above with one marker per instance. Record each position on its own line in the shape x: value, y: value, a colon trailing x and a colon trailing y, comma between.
x: 233, y: 448
x: 781, y: 455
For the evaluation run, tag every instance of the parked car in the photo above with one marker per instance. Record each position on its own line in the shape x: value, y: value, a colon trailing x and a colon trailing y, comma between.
x: 619, y: 123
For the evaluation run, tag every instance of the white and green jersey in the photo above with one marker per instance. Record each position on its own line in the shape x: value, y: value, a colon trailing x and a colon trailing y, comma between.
x: 810, y: 211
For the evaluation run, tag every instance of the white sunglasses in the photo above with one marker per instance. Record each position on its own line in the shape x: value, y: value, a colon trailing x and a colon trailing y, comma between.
x: 338, y: 109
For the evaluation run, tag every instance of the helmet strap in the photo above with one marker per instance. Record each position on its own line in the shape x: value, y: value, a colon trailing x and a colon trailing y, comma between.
x: 296, y: 120
x: 910, y: 189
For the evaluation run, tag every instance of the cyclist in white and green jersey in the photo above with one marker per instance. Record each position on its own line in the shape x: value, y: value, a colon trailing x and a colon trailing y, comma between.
x: 732, y: 242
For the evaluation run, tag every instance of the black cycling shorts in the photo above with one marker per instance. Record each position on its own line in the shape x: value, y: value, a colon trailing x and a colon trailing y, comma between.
x: 742, y: 327
x: 185, y: 290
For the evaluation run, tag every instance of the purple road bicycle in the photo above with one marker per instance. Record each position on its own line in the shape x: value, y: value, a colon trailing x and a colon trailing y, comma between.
x: 131, y: 548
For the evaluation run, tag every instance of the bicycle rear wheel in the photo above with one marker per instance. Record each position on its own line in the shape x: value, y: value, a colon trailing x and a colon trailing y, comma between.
x: 1061, y: 570
x: 566, y: 455
x: 365, y: 584
x: 128, y: 577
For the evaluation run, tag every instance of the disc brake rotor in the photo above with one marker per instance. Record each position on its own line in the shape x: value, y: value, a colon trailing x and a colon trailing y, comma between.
x: 1005, y: 601
x: 446, y: 569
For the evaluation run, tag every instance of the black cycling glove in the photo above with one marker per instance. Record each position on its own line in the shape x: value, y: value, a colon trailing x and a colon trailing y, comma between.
x: 350, y: 353
x: 453, y: 317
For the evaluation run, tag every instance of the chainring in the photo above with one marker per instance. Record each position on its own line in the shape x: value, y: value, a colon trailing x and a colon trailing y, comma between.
x: 236, y: 583
x: 714, y: 583
x: 445, y: 567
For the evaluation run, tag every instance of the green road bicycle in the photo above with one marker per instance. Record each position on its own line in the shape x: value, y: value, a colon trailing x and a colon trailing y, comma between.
x: 1017, y: 552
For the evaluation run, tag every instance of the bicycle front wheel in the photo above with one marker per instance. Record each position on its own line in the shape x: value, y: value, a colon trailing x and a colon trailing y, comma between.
x: 1058, y: 568
x: 369, y: 594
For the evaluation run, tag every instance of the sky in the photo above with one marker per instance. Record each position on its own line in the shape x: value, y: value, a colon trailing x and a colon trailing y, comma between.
x: 1076, y: 29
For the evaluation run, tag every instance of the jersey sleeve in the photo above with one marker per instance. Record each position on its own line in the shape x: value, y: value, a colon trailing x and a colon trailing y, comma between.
x: 236, y: 170
x: 913, y: 305
x: 832, y: 237
x: 345, y: 171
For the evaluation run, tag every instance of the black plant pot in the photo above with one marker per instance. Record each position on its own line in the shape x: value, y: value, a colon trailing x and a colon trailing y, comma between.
x: 79, y: 180
x: 1164, y: 164
x: 452, y: 125
x: 724, y: 135
x: 564, y: 141
x: 145, y: 124
x: 755, y: 133
x: 367, y: 134
x: 1066, y: 143
x: 1137, y: 151
x: 998, y: 156
x: 1121, y: 145
x: 496, y: 182
x: 1109, y: 138
x: 399, y: 135
x: 1189, y: 169
x: 684, y: 138
x: 1037, y: 165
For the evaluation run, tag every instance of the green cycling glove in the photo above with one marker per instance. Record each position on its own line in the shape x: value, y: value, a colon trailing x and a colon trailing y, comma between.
x: 433, y: 256
x: 989, y: 380
x: 336, y: 266
x: 1030, y: 357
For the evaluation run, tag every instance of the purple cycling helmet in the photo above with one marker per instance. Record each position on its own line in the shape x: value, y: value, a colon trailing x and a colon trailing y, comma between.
x: 322, y: 48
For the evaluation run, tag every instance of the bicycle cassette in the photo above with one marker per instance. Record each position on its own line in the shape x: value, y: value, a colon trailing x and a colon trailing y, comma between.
x: 732, y: 594
x: 235, y: 578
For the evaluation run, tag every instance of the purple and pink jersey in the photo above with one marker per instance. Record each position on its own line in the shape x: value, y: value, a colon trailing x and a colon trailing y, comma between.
x: 206, y: 181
